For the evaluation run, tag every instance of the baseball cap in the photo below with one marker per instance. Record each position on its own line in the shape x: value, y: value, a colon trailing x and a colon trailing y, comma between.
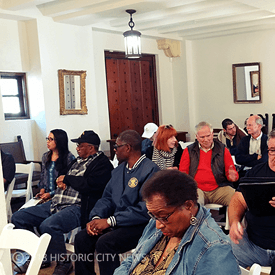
x: 149, y: 129
x: 88, y: 136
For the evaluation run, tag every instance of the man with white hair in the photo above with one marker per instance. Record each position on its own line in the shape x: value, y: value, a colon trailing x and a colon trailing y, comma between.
x: 252, y: 149
x: 210, y: 163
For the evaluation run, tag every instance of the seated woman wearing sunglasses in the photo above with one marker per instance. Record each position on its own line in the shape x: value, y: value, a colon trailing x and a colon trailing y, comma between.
x: 165, y: 152
x: 181, y: 238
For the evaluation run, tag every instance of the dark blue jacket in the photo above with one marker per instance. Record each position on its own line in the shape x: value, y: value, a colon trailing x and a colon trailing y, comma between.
x: 121, y: 199
x: 242, y: 155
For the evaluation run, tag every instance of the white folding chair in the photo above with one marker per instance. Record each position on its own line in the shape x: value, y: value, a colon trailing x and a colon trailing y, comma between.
x: 8, y: 195
x: 24, y: 169
x: 216, y: 206
x: 265, y: 269
x: 25, y: 240
x: 70, y: 236
x: 254, y: 270
x: 114, y: 161
x: 185, y: 144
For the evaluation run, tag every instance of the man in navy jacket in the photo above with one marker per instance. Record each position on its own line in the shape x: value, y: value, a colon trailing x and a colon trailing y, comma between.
x: 252, y: 149
x: 119, y: 217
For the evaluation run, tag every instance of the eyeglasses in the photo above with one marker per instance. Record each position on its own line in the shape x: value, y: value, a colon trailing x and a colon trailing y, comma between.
x: 162, y: 220
x: 116, y: 146
x: 168, y: 126
x: 271, y: 151
x: 81, y: 145
x: 49, y: 139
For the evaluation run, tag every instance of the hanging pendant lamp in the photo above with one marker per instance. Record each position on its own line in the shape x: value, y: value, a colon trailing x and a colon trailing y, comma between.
x: 132, y: 39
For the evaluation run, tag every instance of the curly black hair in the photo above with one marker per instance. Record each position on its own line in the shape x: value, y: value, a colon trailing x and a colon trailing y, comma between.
x: 175, y: 186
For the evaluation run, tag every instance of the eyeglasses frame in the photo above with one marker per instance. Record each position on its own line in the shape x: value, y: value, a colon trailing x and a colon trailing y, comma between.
x: 163, y: 220
x: 116, y: 146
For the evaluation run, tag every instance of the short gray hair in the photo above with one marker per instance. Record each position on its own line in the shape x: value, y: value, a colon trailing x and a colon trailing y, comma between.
x: 202, y: 124
x: 132, y: 138
x: 259, y: 120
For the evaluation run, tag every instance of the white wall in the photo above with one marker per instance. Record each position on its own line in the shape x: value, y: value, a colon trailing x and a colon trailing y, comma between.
x: 66, y: 47
x: 211, y: 75
x: 10, y: 56
x: 41, y: 47
x: 80, y: 48
x: 194, y: 87
x: 180, y: 89
x: 13, y: 58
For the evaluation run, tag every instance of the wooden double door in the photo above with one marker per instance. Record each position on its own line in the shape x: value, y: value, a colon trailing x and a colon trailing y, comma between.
x: 132, y: 92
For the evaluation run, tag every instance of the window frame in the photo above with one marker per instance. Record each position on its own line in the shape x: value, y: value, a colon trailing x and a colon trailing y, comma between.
x: 23, y: 95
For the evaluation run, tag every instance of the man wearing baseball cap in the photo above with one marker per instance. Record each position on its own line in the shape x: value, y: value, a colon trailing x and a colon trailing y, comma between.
x: 150, y: 130
x: 88, y: 173
x: 75, y: 195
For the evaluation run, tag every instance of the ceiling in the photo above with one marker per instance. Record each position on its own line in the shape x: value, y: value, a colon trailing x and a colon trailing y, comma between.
x: 178, y: 19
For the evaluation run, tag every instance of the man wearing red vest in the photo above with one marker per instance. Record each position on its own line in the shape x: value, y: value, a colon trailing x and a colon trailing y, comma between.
x: 210, y: 163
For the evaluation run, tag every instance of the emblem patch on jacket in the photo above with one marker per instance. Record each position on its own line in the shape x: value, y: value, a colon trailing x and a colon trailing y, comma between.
x: 133, y: 182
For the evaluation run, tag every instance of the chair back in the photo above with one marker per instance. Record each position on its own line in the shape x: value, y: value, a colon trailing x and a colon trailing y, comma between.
x: 254, y: 270
x: 8, y: 195
x: 185, y: 144
x: 24, y: 169
x: 16, y: 149
x: 69, y: 239
x: 25, y: 240
x: 216, y: 206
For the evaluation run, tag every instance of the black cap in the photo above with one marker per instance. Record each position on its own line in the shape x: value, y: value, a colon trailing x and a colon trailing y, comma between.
x: 88, y: 136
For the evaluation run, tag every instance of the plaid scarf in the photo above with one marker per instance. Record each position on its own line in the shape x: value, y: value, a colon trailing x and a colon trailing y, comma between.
x: 70, y: 196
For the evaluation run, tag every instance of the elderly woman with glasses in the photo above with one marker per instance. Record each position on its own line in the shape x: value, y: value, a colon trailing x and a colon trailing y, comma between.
x: 181, y: 238
x: 165, y: 152
x: 54, y: 162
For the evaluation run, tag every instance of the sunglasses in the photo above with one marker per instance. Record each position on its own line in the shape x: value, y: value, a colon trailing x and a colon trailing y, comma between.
x: 49, y: 139
x: 116, y: 146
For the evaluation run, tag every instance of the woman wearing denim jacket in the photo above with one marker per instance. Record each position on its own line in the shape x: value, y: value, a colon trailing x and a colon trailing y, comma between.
x: 54, y: 162
x: 181, y: 238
